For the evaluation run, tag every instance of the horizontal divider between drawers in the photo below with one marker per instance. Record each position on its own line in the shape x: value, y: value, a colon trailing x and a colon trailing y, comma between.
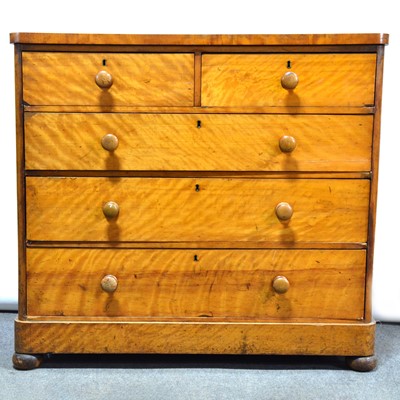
x: 202, y: 174
x: 367, y: 109
x: 239, y: 320
x: 203, y: 48
x: 198, y: 245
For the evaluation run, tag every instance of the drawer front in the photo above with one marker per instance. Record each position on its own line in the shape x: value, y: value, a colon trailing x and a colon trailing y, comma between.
x: 198, y: 142
x: 255, y: 79
x: 221, y: 283
x: 137, y: 79
x: 174, y: 209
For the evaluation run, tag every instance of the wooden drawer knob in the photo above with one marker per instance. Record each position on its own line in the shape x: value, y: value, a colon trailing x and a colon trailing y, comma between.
x: 104, y: 80
x: 111, y: 209
x: 289, y: 80
x: 109, y: 142
x: 287, y: 144
x: 109, y: 283
x: 280, y: 284
x: 284, y: 211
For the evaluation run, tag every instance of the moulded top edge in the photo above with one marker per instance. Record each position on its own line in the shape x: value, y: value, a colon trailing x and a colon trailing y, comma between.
x: 201, y: 40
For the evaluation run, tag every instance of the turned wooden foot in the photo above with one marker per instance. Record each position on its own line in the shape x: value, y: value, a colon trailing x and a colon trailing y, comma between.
x: 26, y: 361
x: 362, y: 364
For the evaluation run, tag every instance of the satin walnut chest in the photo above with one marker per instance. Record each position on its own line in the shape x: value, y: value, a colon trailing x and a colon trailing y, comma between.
x: 197, y: 194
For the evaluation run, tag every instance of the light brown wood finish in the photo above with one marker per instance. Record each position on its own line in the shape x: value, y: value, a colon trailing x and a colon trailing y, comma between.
x: 200, y: 245
x: 197, y: 142
x: 374, y: 183
x: 197, y: 283
x: 208, y: 40
x: 196, y: 219
x: 202, y: 110
x: 167, y: 209
x: 197, y: 78
x: 196, y: 338
x: 203, y: 174
x: 20, y: 169
x: 255, y: 79
x: 138, y: 79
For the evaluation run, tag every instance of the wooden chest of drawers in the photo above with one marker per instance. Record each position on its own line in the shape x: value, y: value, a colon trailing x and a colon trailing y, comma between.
x: 197, y: 194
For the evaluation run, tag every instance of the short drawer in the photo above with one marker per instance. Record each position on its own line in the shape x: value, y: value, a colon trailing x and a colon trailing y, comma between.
x: 260, y: 284
x: 240, y: 80
x: 203, y: 209
x: 190, y: 142
x: 136, y: 79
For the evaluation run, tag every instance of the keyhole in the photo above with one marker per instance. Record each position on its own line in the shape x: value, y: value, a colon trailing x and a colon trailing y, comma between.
x: 289, y: 64
x: 195, y: 258
x: 104, y: 62
x: 197, y: 188
x: 199, y: 124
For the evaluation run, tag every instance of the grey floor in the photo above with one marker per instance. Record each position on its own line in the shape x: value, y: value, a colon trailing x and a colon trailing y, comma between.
x: 200, y: 377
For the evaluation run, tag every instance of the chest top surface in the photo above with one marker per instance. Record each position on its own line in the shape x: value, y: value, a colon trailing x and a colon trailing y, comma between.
x: 225, y: 40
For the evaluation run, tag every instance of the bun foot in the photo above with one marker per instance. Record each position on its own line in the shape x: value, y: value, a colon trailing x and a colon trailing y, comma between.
x: 26, y: 361
x: 362, y: 364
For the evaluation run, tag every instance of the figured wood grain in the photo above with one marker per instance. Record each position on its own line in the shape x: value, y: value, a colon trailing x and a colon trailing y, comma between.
x: 197, y: 79
x: 168, y: 209
x: 262, y: 49
x: 20, y: 183
x: 196, y: 283
x: 203, y: 174
x: 255, y: 79
x: 199, y: 245
x: 374, y: 183
x: 202, y: 110
x: 176, y: 142
x: 196, y: 338
x: 243, y: 40
x: 334, y: 210
x: 138, y: 79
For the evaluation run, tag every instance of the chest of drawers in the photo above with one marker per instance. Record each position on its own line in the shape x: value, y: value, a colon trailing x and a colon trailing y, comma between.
x: 197, y: 194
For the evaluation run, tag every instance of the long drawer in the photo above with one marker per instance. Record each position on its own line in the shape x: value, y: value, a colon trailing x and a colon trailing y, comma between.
x: 198, y: 283
x: 198, y: 142
x: 203, y: 209
x: 255, y: 79
x: 135, y: 79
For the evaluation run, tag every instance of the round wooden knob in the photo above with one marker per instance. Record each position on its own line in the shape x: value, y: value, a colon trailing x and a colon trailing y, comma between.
x: 109, y: 142
x: 109, y: 283
x: 287, y: 144
x: 284, y: 211
x: 280, y: 284
x: 289, y: 80
x: 111, y: 209
x: 104, y: 80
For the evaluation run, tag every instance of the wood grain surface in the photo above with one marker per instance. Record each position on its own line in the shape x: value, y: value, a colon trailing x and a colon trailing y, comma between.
x: 139, y: 79
x: 197, y: 283
x: 220, y: 142
x: 255, y: 79
x: 168, y: 209
x: 331, y: 110
x: 243, y: 40
x: 374, y: 182
x: 196, y: 338
x: 196, y: 178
